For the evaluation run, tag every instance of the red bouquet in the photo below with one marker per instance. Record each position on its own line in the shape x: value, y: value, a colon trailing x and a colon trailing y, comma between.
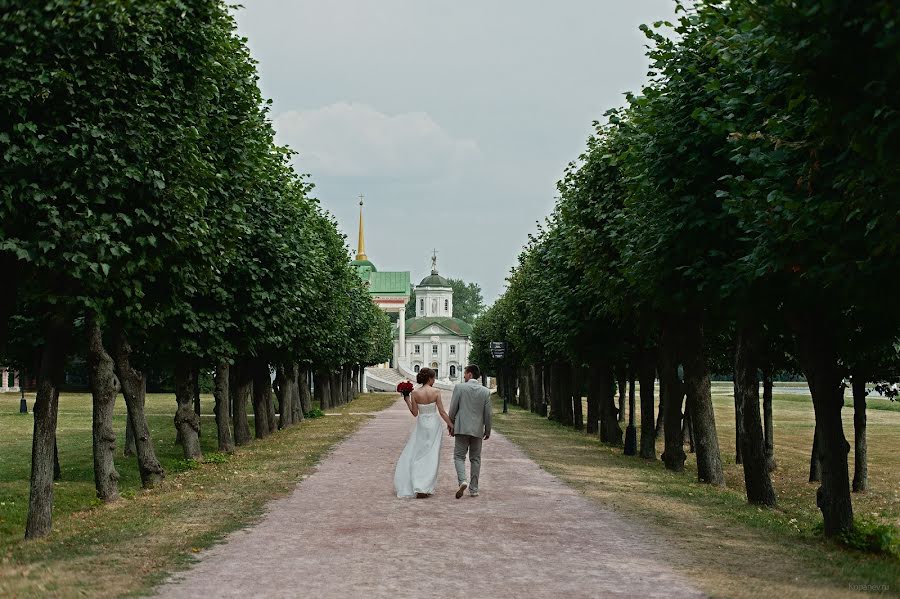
x: 404, y: 388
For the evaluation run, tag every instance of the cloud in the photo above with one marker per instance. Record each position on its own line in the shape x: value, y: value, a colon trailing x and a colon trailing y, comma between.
x: 356, y: 140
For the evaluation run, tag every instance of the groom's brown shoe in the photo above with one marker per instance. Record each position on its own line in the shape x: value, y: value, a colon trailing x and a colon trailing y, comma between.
x: 462, y: 489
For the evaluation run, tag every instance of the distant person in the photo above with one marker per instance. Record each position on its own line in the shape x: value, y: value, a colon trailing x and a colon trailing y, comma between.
x: 417, y: 468
x: 470, y: 411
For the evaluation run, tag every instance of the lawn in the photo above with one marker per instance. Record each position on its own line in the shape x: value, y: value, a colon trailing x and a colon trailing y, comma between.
x: 125, y: 547
x: 731, y: 549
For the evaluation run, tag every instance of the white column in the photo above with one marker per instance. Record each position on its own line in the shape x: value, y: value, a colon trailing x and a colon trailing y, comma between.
x: 402, y: 322
x: 3, y: 384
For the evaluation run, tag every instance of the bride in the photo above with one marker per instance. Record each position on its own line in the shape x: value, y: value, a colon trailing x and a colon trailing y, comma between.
x: 417, y: 469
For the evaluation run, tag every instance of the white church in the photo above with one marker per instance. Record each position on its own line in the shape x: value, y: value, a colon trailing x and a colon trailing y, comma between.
x: 434, y: 338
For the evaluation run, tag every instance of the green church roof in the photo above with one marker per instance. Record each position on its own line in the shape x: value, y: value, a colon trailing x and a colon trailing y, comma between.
x: 388, y: 283
x: 414, y: 326
x: 363, y: 263
x: 434, y: 280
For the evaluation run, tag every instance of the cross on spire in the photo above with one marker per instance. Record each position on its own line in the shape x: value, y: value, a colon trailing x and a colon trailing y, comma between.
x: 361, y: 245
x: 434, y: 269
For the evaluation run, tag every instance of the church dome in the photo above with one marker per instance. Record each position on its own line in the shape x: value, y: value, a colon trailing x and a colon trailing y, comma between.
x: 366, y: 263
x: 434, y: 280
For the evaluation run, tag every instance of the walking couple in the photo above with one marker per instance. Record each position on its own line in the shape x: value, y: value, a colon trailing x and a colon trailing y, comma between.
x: 469, y: 423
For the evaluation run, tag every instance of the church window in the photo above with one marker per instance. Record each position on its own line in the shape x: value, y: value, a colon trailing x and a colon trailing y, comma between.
x: 452, y: 349
x: 452, y: 369
x: 417, y: 349
x: 421, y: 305
x: 416, y: 369
x: 446, y: 305
x: 434, y: 349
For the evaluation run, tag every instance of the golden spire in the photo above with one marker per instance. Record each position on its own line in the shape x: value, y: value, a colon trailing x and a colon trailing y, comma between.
x: 361, y: 248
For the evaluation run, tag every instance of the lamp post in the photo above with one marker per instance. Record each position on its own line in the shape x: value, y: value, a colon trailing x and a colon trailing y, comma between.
x: 498, y: 352
x: 23, y: 405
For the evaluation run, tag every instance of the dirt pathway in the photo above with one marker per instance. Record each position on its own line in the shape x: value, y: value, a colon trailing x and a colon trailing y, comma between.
x: 342, y: 533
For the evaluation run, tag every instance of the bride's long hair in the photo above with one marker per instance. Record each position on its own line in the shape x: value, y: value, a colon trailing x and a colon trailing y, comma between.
x: 424, y: 375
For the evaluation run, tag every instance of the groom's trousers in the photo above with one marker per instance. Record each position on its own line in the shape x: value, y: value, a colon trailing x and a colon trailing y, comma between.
x: 467, y: 444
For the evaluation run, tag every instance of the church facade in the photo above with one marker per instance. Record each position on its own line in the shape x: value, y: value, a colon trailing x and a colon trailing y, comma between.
x: 434, y: 338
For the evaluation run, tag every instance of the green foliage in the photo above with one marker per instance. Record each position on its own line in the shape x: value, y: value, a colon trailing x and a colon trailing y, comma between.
x: 216, y: 457
x: 468, y: 303
x: 871, y: 536
x: 180, y: 465
x: 752, y: 182
x: 314, y: 413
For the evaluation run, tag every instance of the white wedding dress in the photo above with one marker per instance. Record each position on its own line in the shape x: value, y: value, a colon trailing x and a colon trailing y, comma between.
x: 417, y: 468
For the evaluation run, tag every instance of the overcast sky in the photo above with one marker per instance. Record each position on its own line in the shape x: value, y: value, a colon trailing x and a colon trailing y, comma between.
x: 455, y: 119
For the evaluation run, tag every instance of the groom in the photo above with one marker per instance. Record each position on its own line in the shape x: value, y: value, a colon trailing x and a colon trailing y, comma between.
x: 470, y: 411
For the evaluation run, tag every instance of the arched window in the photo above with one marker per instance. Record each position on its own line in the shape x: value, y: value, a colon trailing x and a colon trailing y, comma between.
x: 421, y: 305
x: 416, y: 368
x: 434, y: 306
x: 452, y: 370
x: 446, y: 305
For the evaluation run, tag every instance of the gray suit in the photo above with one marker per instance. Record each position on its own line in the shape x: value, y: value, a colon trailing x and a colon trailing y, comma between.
x: 470, y: 411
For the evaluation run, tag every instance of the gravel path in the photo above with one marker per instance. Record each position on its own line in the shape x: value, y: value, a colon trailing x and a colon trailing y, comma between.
x: 342, y: 533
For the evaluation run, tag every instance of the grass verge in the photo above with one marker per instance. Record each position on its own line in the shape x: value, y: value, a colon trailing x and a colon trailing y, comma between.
x: 126, y: 547
x: 727, y: 547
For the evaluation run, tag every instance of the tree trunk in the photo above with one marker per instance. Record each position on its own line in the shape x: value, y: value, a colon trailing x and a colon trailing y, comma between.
x: 768, y: 424
x: 240, y: 395
x: 604, y: 383
x: 699, y: 402
x: 186, y: 420
x: 631, y: 430
x: 319, y: 389
x: 555, y: 397
x: 670, y: 400
x: 102, y: 380
x: 593, y: 405
x: 283, y: 393
x: 647, y: 376
x: 130, y: 446
x: 815, y: 461
x: 196, y: 376
x: 818, y: 357
x: 757, y: 482
x: 575, y: 386
x: 296, y: 404
x: 57, y: 471
x: 262, y: 394
x: 621, y: 384
x: 305, y: 396
x: 134, y: 389
x: 541, y: 386
x: 860, y: 465
x: 43, y: 443
x: 566, y: 415
x: 222, y: 397
x: 660, y: 418
x: 738, y: 416
x: 687, y: 429
x: 524, y: 385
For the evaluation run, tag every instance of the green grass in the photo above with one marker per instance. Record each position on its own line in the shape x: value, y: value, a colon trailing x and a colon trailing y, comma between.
x: 727, y: 546
x: 127, y: 546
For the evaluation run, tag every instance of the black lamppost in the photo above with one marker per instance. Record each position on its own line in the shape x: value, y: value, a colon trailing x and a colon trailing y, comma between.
x: 498, y: 352
x: 23, y: 405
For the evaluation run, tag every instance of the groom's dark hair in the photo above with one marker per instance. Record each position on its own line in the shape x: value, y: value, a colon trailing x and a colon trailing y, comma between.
x: 474, y: 370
